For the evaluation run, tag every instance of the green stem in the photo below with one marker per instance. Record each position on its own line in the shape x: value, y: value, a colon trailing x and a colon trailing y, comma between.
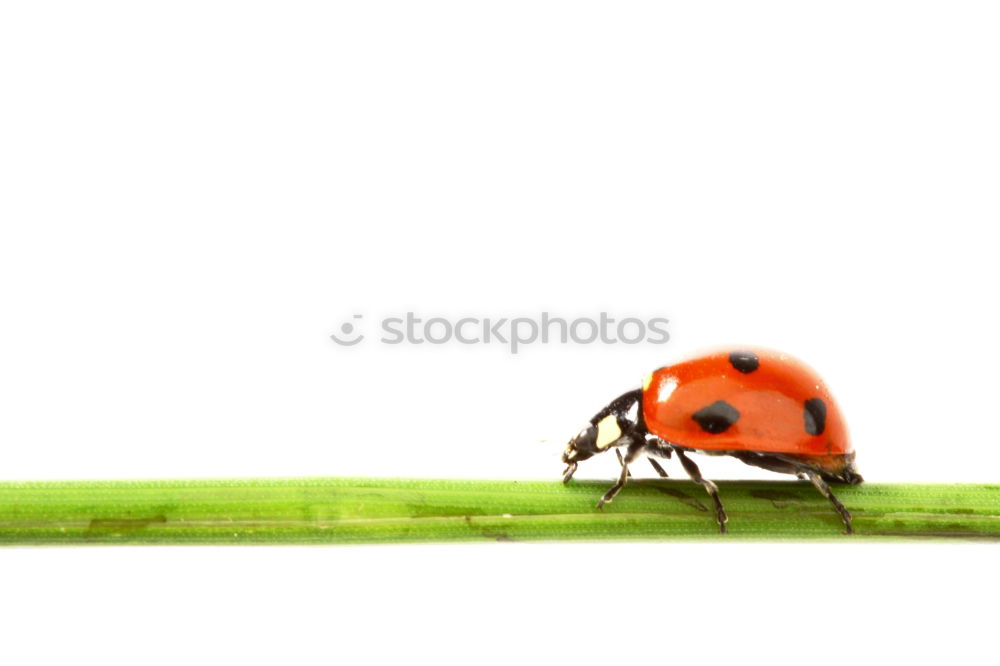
x: 334, y: 510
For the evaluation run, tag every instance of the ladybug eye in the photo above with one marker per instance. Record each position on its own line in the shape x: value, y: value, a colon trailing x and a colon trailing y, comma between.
x: 717, y: 417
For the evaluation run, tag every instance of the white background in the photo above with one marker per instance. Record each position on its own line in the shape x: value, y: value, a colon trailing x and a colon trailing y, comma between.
x: 195, y: 195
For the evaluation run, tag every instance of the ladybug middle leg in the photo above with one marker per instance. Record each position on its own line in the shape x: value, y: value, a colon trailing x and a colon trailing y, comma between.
x: 652, y: 461
x: 692, y: 469
x: 659, y: 468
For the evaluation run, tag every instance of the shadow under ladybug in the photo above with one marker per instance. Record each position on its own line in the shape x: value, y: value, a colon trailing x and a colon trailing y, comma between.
x: 762, y: 407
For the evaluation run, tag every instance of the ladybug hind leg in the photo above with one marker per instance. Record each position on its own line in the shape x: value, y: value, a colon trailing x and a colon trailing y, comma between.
x: 692, y: 469
x: 825, y: 491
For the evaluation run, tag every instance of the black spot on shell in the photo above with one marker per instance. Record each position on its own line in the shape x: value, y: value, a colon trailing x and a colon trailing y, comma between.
x: 744, y: 361
x: 815, y: 416
x: 716, y: 417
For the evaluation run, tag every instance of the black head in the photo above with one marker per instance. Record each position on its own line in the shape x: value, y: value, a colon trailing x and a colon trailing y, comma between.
x: 582, y: 446
x: 608, y: 429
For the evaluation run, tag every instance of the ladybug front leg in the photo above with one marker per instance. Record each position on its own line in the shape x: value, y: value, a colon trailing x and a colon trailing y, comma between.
x: 692, y: 469
x: 634, y: 448
x: 621, y: 460
x: 824, y: 490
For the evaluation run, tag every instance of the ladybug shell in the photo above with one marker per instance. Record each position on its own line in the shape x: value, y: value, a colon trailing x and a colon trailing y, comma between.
x: 744, y: 400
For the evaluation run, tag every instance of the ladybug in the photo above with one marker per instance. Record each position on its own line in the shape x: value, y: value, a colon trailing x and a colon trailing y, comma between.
x: 762, y: 407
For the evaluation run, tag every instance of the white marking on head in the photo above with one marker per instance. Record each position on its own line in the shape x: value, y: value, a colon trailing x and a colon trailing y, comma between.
x: 607, y: 431
x: 633, y: 412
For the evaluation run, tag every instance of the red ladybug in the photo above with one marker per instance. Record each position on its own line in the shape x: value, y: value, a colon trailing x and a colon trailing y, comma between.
x: 762, y: 407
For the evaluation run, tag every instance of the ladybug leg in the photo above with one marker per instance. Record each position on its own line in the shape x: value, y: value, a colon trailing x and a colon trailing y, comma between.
x: 659, y: 469
x: 825, y: 491
x: 657, y: 447
x: 634, y: 449
x: 621, y: 460
x: 692, y: 469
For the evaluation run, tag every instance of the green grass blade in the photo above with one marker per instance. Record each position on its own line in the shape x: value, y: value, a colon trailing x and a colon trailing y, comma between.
x: 344, y: 510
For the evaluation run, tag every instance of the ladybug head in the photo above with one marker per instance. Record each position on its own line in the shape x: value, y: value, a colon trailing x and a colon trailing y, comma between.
x: 609, y: 428
x: 581, y: 447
